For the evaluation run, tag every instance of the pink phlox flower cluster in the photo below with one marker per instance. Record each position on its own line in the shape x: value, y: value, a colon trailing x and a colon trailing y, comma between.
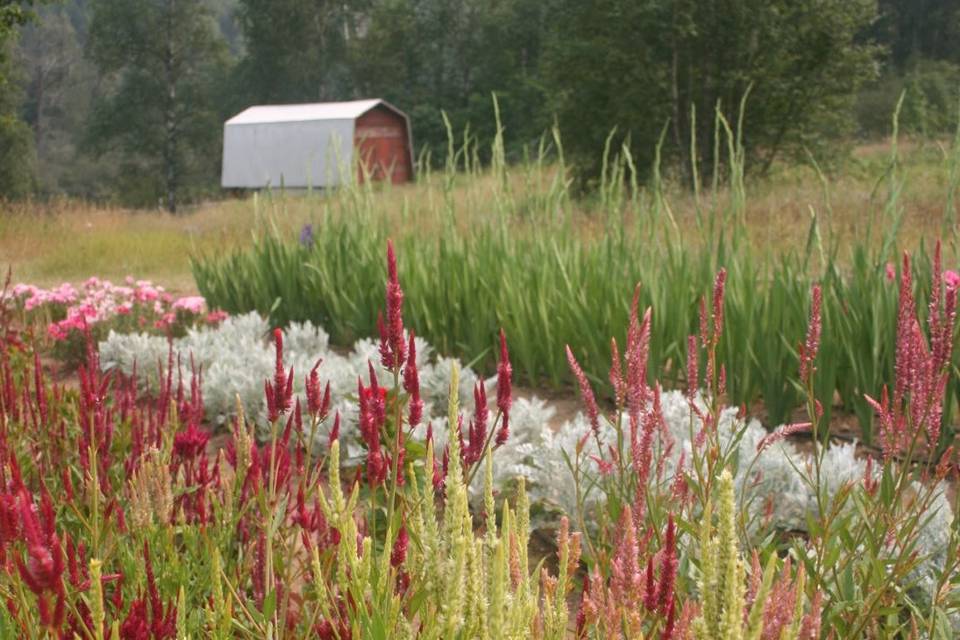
x: 34, y: 297
x: 101, y: 301
x: 191, y: 304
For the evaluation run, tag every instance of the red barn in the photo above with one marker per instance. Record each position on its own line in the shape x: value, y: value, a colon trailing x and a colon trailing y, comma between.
x: 382, y: 141
x: 317, y: 145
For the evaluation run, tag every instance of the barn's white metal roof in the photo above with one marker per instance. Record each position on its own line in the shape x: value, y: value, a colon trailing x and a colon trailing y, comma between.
x: 263, y: 114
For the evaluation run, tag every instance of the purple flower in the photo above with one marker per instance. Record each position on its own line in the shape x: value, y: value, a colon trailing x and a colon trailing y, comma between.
x: 306, y: 235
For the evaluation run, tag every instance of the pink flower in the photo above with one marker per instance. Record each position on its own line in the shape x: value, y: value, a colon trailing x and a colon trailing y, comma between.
x: 810, y: 346
x: 781, y: 434
x: 392, y: 343
x: 951, y: 279
x: 586, y: 392
x: 216, y: 317
x: 891, y: 272
x: 191, y: 304
x: 504, y: 390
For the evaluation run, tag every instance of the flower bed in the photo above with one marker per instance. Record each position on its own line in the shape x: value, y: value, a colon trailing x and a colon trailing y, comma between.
x: 99, y: 306
x: 117, y: 518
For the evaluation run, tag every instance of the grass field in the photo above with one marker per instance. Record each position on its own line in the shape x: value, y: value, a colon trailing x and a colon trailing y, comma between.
x: 61, y: 240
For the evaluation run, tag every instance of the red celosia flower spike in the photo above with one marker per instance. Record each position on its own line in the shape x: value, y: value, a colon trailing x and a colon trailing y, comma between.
x: 411, y: 384
x: 478, y: 426
x: 318, y: 403
x: 43, y: 571
x: 279, y: 394
x: 335, y: 429
x: 399, y: 554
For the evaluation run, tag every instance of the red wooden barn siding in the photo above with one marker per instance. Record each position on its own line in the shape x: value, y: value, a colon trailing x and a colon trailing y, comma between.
x: 383, y: 143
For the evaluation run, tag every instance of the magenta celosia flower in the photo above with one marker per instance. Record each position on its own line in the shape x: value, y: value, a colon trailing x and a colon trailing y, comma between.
x: 890, y: 272
x: 392, y: 343
x: 504, y: 390
x: 411, y: 384
x: 920, y: 371
x: 399, y: 554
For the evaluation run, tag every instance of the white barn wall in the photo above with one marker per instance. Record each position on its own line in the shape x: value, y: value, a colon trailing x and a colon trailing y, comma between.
x: 297, y: 154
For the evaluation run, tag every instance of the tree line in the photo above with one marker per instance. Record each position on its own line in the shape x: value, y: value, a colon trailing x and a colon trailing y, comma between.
x: 125, y: 99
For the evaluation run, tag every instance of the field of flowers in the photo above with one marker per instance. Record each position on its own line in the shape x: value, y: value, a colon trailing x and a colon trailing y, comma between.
x: 206, y: 475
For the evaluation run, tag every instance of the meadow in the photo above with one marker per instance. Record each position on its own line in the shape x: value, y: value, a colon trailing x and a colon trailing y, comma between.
x: 329, y: 441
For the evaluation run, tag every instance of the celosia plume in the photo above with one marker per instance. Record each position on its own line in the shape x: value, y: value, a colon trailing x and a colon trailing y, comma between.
x: 504, y: 390
x: 411, y: 384
x: 586, y: 393
x: 392, y: 343
x: 811, y: 344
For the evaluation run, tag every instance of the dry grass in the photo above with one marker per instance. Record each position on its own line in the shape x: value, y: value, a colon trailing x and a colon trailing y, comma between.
x: 50, y: 242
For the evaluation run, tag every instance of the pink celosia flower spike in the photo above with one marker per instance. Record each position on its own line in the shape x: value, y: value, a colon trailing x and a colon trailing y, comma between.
x: 586, y: 392
x: 626, y: 579
x: 719, y: 285
x: 396, y: 346
x: 504, y: 390
x: 810, y: 346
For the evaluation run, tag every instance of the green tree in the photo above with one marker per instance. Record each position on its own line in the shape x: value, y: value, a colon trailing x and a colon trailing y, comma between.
x: 163, y: 61
x: 429, y: 56
x: 295, y: 50
x: 912, y: 29
x: 16, y: 148
x: 641, y: 65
